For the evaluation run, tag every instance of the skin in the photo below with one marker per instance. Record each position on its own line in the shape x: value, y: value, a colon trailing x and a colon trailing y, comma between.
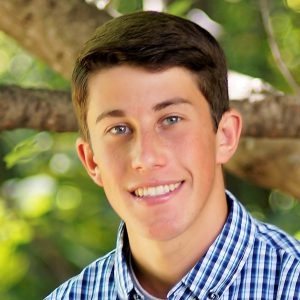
x: 155, y: 152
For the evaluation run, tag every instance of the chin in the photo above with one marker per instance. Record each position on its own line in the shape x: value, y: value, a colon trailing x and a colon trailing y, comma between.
x: 164, y: 231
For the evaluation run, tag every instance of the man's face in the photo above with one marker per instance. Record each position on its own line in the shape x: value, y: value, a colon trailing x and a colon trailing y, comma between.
x: 154, y: 149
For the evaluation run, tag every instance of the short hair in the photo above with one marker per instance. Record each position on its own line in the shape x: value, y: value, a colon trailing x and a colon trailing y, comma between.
x: 155, y: 41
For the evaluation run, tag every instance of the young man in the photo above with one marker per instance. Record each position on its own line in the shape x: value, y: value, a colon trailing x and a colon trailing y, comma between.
x: 150, y: 94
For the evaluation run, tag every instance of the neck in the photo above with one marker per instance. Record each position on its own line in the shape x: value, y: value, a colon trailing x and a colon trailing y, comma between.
x: 178, y: 254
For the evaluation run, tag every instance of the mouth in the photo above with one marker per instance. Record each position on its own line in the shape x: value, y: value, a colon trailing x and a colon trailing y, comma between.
x: 155, y: 191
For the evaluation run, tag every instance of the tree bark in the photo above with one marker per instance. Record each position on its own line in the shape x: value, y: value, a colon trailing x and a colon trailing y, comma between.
x: 274, y: 116
x: 270, y: 163
x: 51, y: 30
x: 36, y: 109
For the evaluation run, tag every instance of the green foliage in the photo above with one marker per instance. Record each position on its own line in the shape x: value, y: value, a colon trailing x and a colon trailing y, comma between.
x: 20, y: 68
x: 53, y: 219
x: 246, y: 42
x: 124, y: 7
x: 27, y: 149
x: 14, y: 232
x: 180, y: 7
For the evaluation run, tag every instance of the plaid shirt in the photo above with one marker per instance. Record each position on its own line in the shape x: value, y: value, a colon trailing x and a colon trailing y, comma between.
x: 248, y: 260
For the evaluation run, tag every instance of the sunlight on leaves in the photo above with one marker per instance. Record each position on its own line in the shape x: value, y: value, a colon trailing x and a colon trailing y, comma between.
x: 68, y: 197
x: 20, y: 64
x: 4, y: 61
x: 12, y: 229
x: 180, y: 7
x: 34, y: 195
x: 157, y: 5
x: 13, y: 266
x: 13, y: 232
x: 60, y: 163
x: 293, y: 4
x: 28, y: 149
x: 281, y: 202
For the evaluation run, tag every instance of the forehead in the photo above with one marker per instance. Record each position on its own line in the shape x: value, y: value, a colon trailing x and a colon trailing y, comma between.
x: 140, y: 94
x: 130, y: 80
x: 124, y: 87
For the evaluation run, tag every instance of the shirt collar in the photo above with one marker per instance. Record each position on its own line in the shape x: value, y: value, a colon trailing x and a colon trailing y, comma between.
x: 122, y: 275
x: 216, y: 270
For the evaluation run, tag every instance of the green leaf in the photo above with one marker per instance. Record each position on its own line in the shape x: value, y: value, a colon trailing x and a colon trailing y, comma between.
x: 180, y: 7
x: 28, y: 149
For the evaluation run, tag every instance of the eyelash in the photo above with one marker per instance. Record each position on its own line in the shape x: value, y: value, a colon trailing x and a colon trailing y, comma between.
x: 171, y: 120
x: 124, y: 129
x: 119, y: 130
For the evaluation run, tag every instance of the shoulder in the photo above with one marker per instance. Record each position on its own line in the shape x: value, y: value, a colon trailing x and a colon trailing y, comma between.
x: 266, y: 237
x: 276, y: 259
x: 279, y: 253
x: 277, y: 240
x: 272, y: 262
x: 95, y: 279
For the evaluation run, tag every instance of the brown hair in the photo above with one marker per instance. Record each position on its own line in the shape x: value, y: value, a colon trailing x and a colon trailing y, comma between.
x: 154, y: 41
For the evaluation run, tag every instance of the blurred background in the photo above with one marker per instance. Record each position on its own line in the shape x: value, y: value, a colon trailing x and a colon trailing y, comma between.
x: 53, y: 219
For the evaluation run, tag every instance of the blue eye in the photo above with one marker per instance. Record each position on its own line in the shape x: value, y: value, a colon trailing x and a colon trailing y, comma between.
x: 171, y: 120
x: 119, y: 130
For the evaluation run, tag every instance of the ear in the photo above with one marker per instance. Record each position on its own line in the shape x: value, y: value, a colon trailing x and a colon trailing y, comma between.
x: 86, y: 155
x: 228, y: 135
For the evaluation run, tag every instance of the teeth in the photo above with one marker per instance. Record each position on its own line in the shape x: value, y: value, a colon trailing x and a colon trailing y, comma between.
x: 156, y: 190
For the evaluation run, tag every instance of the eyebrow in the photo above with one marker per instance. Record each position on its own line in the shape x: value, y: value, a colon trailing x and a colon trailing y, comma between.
x: 117, y: 113
x: 170, y: 102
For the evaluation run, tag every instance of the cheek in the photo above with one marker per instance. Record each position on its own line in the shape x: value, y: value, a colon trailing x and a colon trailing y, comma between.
x: 110, y: 159
x: 200, y: 153
x: 201, y: 145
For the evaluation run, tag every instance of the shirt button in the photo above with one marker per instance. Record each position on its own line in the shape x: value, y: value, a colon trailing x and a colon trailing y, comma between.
x: 213, y: 295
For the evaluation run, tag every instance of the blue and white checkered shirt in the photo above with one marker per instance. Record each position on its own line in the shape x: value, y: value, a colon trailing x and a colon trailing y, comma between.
x: 248, y: 260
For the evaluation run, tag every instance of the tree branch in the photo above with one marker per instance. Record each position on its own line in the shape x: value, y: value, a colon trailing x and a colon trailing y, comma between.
x: 269, y: 163
x: 36, y: 109
x: 53, y: 31
x: 274, y: 116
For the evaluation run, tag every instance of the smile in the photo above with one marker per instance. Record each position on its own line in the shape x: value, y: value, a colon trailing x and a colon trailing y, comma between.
x: 156, y: 190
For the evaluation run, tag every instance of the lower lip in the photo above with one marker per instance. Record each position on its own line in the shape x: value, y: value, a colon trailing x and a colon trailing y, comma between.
x: 159, y: 199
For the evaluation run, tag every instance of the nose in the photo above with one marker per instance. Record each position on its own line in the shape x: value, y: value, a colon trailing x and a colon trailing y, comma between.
x: 148, y: 151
